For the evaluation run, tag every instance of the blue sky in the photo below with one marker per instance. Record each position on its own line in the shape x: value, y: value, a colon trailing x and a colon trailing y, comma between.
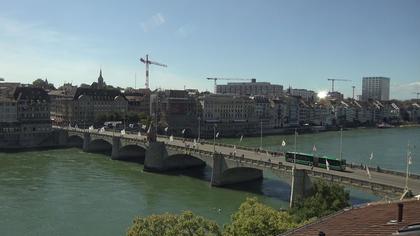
x: 294, y: 43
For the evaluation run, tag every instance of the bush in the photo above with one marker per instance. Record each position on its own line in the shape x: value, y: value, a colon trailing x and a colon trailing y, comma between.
x: 173, y: 225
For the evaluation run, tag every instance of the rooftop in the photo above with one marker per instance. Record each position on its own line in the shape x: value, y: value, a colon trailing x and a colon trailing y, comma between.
x: 370, y: 219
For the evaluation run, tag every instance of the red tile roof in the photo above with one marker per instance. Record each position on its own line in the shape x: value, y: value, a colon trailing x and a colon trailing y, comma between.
x: 370, y: 219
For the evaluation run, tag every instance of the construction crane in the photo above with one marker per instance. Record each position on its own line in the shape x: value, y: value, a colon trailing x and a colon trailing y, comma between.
x: 147, y: 63
x: 417, y: 93
x: 333, y: 80
x: 216, y: 79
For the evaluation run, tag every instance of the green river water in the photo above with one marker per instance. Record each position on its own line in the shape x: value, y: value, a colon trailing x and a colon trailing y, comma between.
x: 69, y: 192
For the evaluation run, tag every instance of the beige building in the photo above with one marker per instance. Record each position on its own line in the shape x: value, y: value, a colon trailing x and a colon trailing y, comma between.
x: 25, y: 118
x: 251, y: 89
x: 232, y: 115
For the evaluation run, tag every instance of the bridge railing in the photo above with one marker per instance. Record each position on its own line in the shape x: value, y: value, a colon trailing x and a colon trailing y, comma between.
x: 358, y: 182
x: 381, y: 170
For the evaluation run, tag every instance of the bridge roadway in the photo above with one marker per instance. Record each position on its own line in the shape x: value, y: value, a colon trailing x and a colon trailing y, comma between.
x: 352, y: 176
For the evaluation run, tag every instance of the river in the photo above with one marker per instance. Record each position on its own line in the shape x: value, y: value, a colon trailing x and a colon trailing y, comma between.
x: 69, y: 192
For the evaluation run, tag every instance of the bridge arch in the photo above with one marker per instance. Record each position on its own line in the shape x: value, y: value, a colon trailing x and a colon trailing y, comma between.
x: 100, y: 145
x: 240, y: 174
x: 132, y: 153
x: 75, y: 141
x: 183, y: 161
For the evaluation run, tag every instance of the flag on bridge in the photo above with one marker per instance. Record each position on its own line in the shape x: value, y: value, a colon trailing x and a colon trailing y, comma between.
x: 91, y: 127
x: 240, y: 140
x: 171, y: 138
x: 327, y: 164
x: 217, y: 134
x: 234, y: 149
x: 368, y: 172
x: 123, y: 132
x: 139, y: 134
x: 283, y: 144
x: 166, y: 129
x: 143, y: 126
x: 195, y: 143
x: 371, y: 156
x: 314, y: 148
x: 409, y: 159
x: 102, y: 130
x: 183, y: 131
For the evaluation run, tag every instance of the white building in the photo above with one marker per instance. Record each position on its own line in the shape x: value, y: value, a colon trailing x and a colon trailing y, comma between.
x: 307, y: 95
x: 376, y: 88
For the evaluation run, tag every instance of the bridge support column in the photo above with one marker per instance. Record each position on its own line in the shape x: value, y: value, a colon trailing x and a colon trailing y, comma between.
x: 155, y: 157
x: 301, y: 186
x: 223, y: 174
x: 116, y: 144
x: 86, y: 141
x: 62, y: 138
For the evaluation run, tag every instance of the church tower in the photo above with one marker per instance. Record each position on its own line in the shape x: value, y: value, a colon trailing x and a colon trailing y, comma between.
x: 101, y: 83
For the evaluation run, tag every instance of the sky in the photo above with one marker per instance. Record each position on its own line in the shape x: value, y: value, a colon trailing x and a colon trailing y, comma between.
x: 293, y: 43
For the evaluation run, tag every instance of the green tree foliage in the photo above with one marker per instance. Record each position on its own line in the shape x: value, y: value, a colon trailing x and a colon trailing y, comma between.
x: 167, y: 224
x: 254, y: 219
x: 326, y: 199
x: 133, y: 117
x: 40, y: 83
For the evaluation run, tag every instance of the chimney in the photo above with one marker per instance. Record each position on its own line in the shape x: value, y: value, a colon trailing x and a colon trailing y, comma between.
x: 400, y: 212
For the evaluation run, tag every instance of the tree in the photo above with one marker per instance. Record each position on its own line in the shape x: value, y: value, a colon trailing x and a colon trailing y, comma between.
x: 40, y: 83
x: 167, y: 224
x: 326, y: 199
x: 254, y: 218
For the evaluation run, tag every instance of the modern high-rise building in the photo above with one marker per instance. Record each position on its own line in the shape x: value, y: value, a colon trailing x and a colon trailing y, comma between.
x: 375, y: 88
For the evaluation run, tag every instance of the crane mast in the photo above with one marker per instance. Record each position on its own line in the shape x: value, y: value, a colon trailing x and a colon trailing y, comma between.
x: 147, y: 62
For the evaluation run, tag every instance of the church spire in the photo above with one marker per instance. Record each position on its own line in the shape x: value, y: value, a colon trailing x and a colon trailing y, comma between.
x: 101, y: 83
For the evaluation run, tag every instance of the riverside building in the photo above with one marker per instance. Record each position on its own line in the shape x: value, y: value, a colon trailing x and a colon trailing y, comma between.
x: 25, y: 117
x: 251, y: 89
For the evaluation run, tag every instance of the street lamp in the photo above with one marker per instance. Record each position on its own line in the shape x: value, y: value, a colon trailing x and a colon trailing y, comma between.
x: 261, y: 135
x: 294, y: 154
x: 199, y: 127
x: 214, y: 138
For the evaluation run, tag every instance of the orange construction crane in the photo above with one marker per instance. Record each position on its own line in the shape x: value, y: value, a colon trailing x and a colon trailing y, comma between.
x: 332, y: 82
x: 216, y: 79
x: 147, y: 63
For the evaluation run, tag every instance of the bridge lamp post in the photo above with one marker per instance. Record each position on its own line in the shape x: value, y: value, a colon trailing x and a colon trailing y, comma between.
x: 261, y: 134
x: 294, y: 154
x: 214, y: 138
x: 199, y: 127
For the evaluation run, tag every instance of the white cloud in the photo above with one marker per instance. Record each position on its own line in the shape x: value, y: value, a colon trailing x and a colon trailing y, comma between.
x: 185, y: 30
x: 153, y: 22
x: 406, y: 90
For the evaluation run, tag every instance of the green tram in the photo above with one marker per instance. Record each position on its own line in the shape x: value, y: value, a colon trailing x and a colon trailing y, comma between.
x: 310, y: 159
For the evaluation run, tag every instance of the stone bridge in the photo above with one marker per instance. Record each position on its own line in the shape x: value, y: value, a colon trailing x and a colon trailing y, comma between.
x: 228, y: 166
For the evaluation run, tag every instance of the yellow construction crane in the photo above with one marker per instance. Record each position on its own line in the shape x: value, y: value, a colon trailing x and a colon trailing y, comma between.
x: 333, y: 80
x: 216, y: 79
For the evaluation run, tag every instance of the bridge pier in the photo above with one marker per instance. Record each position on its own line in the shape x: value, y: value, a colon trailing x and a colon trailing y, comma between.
x: 301, y: 186
x: 223, y: 175
x: 86, y: 141
x: 159, y: 159
x: 116, y: 144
